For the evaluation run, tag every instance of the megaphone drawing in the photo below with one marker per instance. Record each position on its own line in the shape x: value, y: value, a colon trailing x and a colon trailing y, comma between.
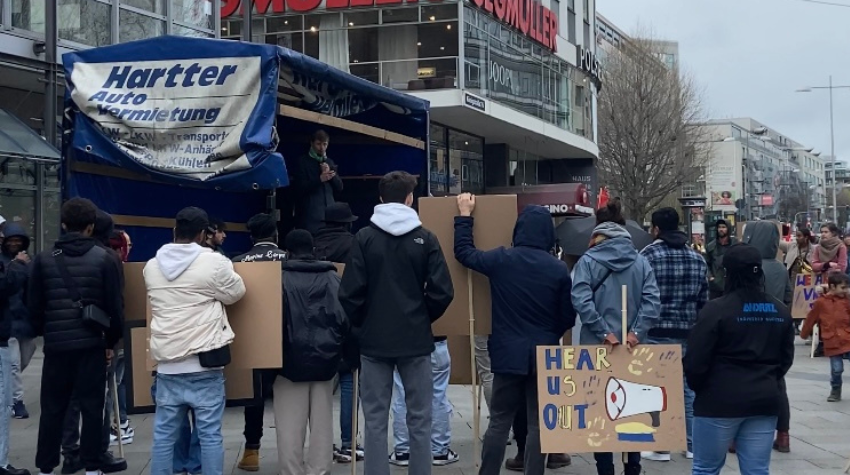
x: 625, y: 398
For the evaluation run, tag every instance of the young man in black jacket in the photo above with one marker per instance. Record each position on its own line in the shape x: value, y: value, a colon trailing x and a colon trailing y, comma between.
x: 76, y: 351
x: 263, y: 229
x: 314, y: 182
x: 396, y: 283
x: 13, y: 278
x: 314, y: 327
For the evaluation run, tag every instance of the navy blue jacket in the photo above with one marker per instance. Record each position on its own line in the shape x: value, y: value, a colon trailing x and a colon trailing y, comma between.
x: 530, y: 289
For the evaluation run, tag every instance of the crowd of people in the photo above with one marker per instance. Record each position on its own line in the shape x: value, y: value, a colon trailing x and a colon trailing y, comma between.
x: 728, y: 309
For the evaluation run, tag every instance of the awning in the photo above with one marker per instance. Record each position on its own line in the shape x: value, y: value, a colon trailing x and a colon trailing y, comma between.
x: 17, y: 140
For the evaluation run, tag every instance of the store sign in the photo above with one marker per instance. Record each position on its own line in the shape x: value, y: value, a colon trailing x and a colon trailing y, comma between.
x: 263, y: 7
x: 474, y: 102
x: 589, y: 62
x: 528, y: 16
x: 501, y: 79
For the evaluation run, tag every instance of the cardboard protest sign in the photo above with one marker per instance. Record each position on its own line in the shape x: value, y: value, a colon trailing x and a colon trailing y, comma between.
x: 805, y: 294
x: 595, y: 399
x: 495, y: 217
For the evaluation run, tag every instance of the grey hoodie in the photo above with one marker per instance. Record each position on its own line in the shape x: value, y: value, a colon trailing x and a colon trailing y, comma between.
x: 764, y: 236
x: 617, y: 262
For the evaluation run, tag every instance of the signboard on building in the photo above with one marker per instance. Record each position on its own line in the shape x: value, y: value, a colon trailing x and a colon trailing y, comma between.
x: 474, y: 102
x: 588, y: 62
x: 723, y: 182
x: 599, y: 399
x: 527, y: 16
x: 264, y: 7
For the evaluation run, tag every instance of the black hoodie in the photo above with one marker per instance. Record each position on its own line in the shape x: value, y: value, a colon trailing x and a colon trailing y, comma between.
x: 97, y: 278
x: 738, y: 351
x: 14, y: 310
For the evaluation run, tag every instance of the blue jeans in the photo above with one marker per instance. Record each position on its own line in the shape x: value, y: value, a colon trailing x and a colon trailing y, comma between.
x: 5, y: 402
x: 175, y: 396
x: 689, y: 395
x: 753, y: 437
x: 346, y: 392
x: 836, y: 367
x: 441, y: 431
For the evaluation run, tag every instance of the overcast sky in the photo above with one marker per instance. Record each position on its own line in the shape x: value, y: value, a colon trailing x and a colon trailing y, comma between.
x: 750, y: 56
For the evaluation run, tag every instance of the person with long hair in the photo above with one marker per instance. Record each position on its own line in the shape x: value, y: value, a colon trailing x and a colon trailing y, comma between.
x: 800, y: 253
x: 830, y: 255
x: 611, y: 262
x: 738, y: 352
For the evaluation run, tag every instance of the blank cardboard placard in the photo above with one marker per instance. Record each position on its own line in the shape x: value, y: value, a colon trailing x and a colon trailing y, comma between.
x: 135, y: 296
x: 142, y: 378
x: 238, y: 383
x: 461, y: 354
x: 595, y: 399
x: 257, y: 319
x: 495, y: 217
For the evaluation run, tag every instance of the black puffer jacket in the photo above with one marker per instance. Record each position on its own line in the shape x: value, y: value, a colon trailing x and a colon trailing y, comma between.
x: 314, y: 324
x: 15, y: 309
x: 13, y: 277
x: 333, y: 244
x: 98, y: 279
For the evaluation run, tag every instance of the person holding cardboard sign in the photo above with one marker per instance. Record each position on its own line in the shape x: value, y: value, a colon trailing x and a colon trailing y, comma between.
x: 188, y: 287
x: 396, y: 284
x: 530, y: 290
x: 612, y: 263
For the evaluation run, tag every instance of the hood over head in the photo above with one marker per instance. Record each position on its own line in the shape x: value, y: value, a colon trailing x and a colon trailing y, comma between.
x: 616, y: 252
x: 75, y: 244
x: 534, y: 228
x: 396, y: 218
x: 103, y: 227
x: 676, y: 239
x: 719, y: 222
x: 174, y: 259
x: 764, y: 236
x: 15, y: 230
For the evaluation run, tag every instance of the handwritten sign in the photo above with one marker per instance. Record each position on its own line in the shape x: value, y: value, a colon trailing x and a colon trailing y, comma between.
x: 595, y: 399
x: 805, y: 294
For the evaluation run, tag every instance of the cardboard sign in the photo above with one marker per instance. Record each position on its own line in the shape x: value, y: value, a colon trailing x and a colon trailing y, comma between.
x: 805, y: 294
x: 135, y: 296
x: 594, y: 399
x: 495, y: 217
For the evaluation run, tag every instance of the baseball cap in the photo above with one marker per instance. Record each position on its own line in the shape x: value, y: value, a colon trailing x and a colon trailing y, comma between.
x: 193, y: 219
x: 741, y: 258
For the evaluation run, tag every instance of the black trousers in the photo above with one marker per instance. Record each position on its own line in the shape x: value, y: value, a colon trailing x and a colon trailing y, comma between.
x: 82, y: 374
x: 508, y: 393
x: 783, y: 424
x: 521, y: 426
x: 263, y: 382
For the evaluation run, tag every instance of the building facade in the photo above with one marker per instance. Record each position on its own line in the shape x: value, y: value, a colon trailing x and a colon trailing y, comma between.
x: 29, y: 189
x: 757, y: 172
x: 842, y: 173
x: 512, y: 84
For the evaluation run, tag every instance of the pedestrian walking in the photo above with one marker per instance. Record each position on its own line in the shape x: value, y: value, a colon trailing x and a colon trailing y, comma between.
x: 610, y: 263
x: 831, y: 312
x: 739, y: 350
x: 800, y: 254
x: 396, y: 284
x: 714, y: 258
x: 681, y: 274
x: 830, y: 254
x: 530, y: 289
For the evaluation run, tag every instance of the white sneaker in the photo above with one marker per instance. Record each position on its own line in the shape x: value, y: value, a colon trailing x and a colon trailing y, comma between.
x: 655, y: 456
x: 689, y: 455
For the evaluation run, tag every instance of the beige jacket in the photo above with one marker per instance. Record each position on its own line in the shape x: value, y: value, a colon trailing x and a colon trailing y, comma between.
x: 188, y: 287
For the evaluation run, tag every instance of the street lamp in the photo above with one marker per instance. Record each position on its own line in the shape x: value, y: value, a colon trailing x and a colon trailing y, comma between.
x: 831, y: 139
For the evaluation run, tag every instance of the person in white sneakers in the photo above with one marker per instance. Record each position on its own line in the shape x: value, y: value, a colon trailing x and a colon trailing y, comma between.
x: 188, y: 286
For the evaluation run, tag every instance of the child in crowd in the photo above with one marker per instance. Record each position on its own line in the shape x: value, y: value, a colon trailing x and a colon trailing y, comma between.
x: 832, y: 312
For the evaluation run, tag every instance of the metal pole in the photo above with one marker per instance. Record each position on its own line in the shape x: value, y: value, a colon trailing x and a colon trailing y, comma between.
x: 51, y: 34
x: 746, y: 162
x: 832, y: 151
x: 247, y: 10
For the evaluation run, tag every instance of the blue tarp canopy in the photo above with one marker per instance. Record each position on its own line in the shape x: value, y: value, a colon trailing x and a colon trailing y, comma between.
x: 154, y: 125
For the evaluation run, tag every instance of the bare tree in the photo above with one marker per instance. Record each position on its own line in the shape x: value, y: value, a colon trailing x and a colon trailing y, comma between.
x: 649, y: 138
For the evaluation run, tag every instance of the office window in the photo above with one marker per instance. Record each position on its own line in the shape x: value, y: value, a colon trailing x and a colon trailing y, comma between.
x: 571, y: 26
x: 586, y: 11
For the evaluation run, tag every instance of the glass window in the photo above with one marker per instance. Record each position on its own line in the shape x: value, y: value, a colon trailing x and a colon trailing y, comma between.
x: 193, y: 12
x: 586, y: 11
x: 28, y: 15
x: 368, y: 71
x: 283, y: 24
x: 400, y: 15
x: 17, y: 172
x: 556, y: 9
x: 362, y: 18
x: 363, y: 45
x: 133, y: 26
x: 231, y: 28
x: 51, y: 176
x: 191, y: 32
x: 85, y: 21
x: 586, y: 43
x: 155, y: 6
x: 466, y: 156
x: 571, y: 26
x: 439, y: 12
x: 18, y: 206
x: 438, y: 160
x: 571, y: 4
x: 438, y: 39
x: 50, y: 225
x: 293, y: 41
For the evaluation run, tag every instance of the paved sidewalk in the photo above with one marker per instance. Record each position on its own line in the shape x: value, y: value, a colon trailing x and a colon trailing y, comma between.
x: 820, y: 442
